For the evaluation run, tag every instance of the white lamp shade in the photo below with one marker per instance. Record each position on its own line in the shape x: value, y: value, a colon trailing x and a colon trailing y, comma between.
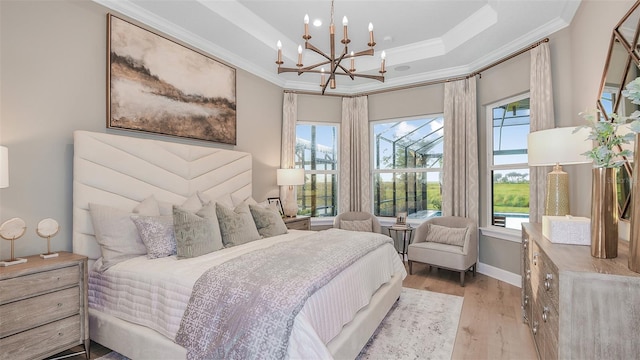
x: 4, y: 167
x: 558, y: 146
x: 290, y: 177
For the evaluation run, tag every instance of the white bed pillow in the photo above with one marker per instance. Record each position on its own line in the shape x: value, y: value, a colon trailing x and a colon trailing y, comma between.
x: 196, y: 233
x: 268, y: 222
x: 236, y: 225
x: 116, y: 234
x: 157, y: 234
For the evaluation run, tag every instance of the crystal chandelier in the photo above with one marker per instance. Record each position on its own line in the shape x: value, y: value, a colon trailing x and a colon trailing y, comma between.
x: 334, y: 62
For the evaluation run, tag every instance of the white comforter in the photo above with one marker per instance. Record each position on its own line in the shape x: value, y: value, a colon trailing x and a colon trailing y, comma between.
x: 155, y: 293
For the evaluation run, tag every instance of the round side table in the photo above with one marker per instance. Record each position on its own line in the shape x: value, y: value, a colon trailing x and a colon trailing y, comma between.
x: 406, y: 232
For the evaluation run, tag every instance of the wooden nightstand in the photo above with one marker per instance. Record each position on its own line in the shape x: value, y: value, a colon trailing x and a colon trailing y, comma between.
x: 298, y: 222
x: 43, y: 307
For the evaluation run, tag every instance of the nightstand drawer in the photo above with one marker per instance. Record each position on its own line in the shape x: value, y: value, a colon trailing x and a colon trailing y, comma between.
x: 298, y: 223
x: 36, y: 342
x: 23, y: 286
x: 25, y: 314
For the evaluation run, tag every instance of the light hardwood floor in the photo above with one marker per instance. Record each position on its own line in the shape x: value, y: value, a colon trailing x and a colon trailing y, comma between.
x: 490, y: 324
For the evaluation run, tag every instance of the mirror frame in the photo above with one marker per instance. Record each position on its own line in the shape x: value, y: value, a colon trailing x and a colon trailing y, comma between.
x: 632, y: 59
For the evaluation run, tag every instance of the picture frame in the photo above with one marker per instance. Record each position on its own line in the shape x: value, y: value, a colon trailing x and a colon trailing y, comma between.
x: 401, y: 218
x: 277, y: 203
x: 157, y: 85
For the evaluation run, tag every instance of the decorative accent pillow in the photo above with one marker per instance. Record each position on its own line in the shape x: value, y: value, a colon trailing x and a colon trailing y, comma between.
x: 356, y: 225
x: 224, y: 199
x: 196, y: 234
x: 148, y: 207
x: 446, y: 235
x: 192, y: 203
x: 268, y: 222
x: 157, y: 235
x: 236, y: 226
x: 116, y: 234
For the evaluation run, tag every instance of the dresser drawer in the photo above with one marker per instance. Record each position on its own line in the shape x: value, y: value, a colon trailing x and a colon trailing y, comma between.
x: 24, y: 286
x: 24, y: 314
x: 37, y: 342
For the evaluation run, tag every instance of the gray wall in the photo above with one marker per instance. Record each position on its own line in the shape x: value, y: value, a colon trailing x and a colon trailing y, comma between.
x: 53, y: 70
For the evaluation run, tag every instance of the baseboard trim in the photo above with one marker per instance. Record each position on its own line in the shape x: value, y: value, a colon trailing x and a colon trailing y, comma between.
x: 500, y: 274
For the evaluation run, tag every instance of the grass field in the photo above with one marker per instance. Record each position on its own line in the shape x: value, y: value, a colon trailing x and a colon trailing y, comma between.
x: 511, y: 198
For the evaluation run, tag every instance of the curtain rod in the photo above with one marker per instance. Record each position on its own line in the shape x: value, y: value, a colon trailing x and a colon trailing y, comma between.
x: 434, y: 82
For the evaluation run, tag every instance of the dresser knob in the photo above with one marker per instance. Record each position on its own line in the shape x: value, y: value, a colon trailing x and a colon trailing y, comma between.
x: 545, y: 311
x: 528, y: 274
x: 525, y: 242
x: 526, y: 300
x: 547, y: 281
x: 59, y: 304
x: 535, y: 258
x: 59, y: 334
x: 534, y: 329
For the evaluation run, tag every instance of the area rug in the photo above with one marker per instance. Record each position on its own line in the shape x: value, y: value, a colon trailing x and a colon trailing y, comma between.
x: 421, y: 325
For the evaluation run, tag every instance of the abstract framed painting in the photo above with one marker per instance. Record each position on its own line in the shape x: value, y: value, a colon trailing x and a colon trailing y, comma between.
x: 160, y: 86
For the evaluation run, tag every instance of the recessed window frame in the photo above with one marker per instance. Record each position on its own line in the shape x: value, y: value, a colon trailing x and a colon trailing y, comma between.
x: 375, y: 172
x: 490, y: 168
x: 335, y: 172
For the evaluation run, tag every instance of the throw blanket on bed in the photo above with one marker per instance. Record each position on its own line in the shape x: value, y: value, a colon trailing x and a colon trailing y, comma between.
x: 245, y: 307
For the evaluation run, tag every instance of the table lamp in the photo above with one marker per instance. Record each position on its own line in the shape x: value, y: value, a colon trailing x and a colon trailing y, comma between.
x: 290, y: 178
x: 558, y: 146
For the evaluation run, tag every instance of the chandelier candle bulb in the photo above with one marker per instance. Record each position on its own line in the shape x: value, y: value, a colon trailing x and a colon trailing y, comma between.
x: 279, y: 46
x: 353, y: 63
x: 322, y: 78
x: 371, y: 42
x: 306, y: 35
x: 345, y: 22
x: 299, y: 56
x: 382, y: 57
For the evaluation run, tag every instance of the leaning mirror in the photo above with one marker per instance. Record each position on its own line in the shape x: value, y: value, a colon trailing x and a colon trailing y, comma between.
x: 621, y: 67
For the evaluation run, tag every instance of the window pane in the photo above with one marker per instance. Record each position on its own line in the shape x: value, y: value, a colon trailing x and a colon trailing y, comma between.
x: 418, y: 194
x: 317, y: 197
x: 317, y: 152
x: 510, y: 130
x: 316, y: 147
x: 408, y: 144
x: 510, y: 200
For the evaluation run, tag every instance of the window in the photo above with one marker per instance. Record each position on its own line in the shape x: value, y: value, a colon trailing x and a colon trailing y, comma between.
x: 407, y: 161
x: 317, y: 153
x: 508, y: 164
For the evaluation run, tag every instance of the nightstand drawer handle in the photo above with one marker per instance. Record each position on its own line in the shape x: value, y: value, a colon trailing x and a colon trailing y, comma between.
x: 528, y: 274
x: 547, y: 282
x: 59, y: 304
x: 525, y: 242
x: 526, y: 300
x: 545, y: 311
x: 535, y: 258
x: 534, y: 329
x: 60, y: 334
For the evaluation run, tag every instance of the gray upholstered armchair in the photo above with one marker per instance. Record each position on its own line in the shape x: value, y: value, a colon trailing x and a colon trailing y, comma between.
x: 451, y: 243
x: 357, y: 220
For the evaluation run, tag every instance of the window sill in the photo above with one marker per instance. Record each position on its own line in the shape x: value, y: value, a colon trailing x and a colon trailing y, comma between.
x: 502, y: 233
x: 384, y: 221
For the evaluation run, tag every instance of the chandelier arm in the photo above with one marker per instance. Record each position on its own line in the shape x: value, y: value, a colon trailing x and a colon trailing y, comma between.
x: 368, y: 52
x: 366, y: 76
x: 309, y: 46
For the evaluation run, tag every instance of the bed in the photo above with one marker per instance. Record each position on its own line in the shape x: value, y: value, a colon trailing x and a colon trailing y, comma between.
x: 135, y: 306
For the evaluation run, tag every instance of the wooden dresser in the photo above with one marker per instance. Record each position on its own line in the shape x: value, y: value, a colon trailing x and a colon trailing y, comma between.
x: 43, y: 307
x: 578, y: 306
x: 298, y: 222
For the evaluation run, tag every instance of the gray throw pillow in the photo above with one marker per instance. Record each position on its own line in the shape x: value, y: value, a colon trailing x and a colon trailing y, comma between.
x: 196, y: 234
x: 268, y: 222
x: 446, y: 235
x: 236, y: 226
x: 116, y: 234
x: 157, y: 234
x: 356, y: 225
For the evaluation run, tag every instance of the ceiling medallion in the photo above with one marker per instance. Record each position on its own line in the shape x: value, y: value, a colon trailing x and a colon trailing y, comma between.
x: 328, y: 78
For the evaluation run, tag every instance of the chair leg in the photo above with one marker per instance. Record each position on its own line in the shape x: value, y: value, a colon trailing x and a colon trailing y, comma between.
x: 410, y: 267
x: 462, y: 278
x: 475, y: 268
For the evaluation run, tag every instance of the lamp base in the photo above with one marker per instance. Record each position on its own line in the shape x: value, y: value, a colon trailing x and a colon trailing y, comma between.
x: 15, y: 261
x: 556, y: 202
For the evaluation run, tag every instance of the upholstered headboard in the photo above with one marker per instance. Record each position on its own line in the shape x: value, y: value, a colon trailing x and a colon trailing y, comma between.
x: 121, y: 171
